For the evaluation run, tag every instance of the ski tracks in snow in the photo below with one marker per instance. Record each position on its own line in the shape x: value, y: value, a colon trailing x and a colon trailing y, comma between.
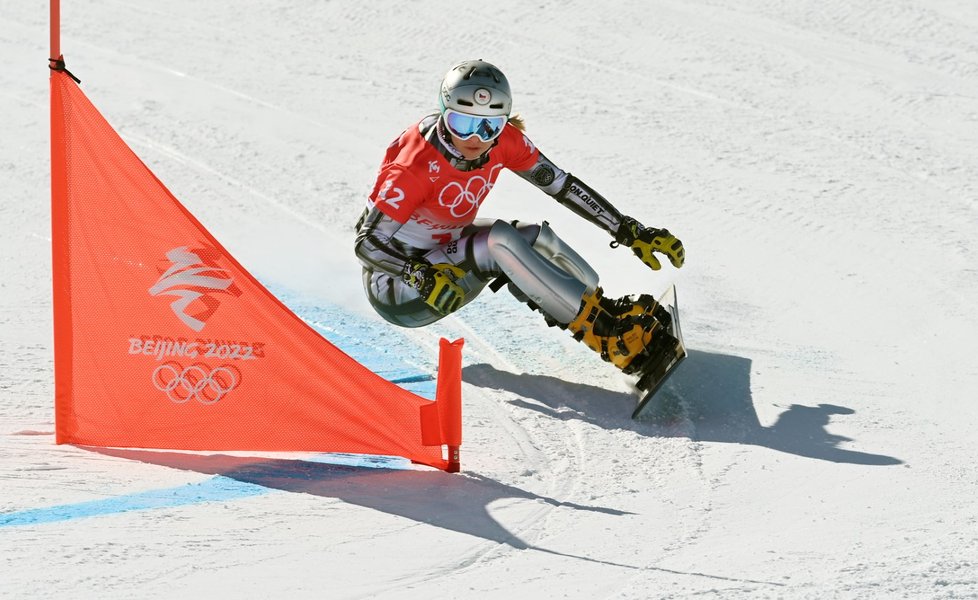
x: 565, y: 439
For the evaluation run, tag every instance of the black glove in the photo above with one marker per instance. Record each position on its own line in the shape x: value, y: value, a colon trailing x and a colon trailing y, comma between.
x: 436, y: 284
x: 645, y: 240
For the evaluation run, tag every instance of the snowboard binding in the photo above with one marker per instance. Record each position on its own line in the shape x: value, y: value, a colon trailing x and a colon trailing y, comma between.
x: 639, y: 335
x: 643, y: 304
x: 630, y: 332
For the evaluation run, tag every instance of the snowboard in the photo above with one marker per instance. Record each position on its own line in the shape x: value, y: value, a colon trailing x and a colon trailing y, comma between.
x: 653, y: 375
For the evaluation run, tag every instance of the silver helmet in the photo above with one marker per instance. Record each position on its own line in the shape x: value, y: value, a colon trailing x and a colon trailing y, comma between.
x: 476, y: 87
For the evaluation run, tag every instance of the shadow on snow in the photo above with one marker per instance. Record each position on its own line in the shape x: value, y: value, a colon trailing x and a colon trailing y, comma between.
x: 708, y: 398
x: 456, y: 502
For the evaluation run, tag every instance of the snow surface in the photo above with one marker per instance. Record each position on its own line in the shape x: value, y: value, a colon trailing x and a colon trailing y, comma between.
x: 818, y: 159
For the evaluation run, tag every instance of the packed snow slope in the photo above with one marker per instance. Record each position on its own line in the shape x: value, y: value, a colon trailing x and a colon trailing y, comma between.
x: 818, y: 159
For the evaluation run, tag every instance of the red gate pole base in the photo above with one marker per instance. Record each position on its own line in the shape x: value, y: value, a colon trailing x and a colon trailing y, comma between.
x: 454, y: 464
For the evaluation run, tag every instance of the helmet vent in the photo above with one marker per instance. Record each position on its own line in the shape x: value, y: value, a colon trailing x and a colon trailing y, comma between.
x: 466, y: 102
x: 475, y: 72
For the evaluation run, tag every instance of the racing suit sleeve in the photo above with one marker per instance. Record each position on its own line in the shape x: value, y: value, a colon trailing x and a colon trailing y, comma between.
x: 573, y: 193
x: 376, y: 247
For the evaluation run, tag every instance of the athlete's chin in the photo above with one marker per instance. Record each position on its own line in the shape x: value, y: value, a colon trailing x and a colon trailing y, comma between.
x: 472, y: 153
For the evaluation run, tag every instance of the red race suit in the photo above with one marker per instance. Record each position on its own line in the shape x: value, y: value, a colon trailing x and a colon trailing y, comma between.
x: 419, y: 188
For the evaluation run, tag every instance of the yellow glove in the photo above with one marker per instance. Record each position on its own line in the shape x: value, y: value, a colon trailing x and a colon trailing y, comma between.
x: 645, y: 240
x: 436, y: 284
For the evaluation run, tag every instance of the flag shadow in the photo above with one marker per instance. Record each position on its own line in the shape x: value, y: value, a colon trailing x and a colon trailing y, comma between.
x: 708, y: 398
x: 457, y: 502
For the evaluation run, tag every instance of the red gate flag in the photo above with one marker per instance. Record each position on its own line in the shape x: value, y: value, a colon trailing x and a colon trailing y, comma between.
x: 162, y: 340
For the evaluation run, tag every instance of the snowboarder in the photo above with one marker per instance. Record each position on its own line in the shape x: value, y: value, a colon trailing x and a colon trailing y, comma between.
x: 425, y: 254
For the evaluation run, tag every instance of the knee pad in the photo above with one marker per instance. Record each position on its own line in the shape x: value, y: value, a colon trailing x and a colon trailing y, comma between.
x: 555, y: 290
x: 559, y: 253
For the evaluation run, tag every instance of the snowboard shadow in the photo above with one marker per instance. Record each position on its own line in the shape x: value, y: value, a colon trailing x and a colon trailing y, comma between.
x: 456, y: 502
x: 708, y: 398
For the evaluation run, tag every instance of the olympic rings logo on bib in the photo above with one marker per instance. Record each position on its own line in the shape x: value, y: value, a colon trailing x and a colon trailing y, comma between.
x: 197, y: 381
x: 461, y: 201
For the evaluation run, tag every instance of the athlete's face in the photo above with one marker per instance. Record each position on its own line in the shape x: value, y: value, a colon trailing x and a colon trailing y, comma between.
x: 471, y: 148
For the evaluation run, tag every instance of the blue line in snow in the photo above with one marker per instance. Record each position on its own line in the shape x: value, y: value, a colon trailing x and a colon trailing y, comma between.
x: 413, y: 379
x: 215, y: 489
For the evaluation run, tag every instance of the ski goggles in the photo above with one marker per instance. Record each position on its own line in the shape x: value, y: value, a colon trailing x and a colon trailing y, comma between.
x: 465, y: 126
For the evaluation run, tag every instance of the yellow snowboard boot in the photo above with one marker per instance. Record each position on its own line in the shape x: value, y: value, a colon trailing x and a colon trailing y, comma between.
x: 625, y: 332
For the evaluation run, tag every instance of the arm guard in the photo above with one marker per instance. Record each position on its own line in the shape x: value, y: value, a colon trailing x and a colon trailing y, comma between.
x: 583, y: 200
x: 573, y: 193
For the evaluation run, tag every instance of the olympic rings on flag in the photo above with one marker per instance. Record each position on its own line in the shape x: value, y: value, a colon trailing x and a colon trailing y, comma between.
x: 198, y: 382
